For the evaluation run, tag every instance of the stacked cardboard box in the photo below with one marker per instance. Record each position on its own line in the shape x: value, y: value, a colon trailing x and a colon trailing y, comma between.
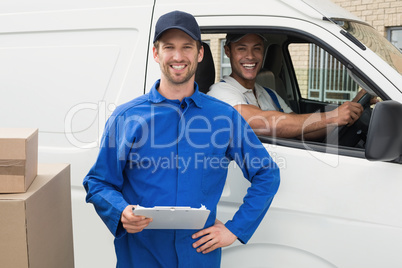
x: 35, y: 225
x: 18, y: 159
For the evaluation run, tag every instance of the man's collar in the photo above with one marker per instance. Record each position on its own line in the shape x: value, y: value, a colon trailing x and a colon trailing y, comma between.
x: 196, y: 97
x: 156, y: 97
x: 230, y: 80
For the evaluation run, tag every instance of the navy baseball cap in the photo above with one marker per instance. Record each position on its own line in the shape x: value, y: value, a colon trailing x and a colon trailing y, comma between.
x: 233, y: 38
x: 178, y: 20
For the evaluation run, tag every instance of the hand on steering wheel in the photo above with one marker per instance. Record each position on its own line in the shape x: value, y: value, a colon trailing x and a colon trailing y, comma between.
x: 350, y: 135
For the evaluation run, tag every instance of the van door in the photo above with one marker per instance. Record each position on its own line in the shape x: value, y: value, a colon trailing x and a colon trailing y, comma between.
x: 64, y: 66
x: 332, y: 203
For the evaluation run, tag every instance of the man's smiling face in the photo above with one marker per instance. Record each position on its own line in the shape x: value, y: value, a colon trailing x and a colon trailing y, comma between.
x: 178, y: 56
x: 246, y: 56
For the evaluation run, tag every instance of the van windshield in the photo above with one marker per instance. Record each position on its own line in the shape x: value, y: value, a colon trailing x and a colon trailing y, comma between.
x: 376, y: 42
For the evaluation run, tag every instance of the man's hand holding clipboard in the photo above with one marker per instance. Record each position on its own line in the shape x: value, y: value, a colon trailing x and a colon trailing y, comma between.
x: 167, y: 217
x: 133, y: 223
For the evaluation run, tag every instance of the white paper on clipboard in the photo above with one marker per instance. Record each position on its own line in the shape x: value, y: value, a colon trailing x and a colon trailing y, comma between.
x: 174, y: 217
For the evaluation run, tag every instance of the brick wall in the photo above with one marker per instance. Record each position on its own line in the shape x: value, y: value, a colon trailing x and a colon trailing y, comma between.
x: 215, y: 45
x: 300, y: 59
x: 378, y: 13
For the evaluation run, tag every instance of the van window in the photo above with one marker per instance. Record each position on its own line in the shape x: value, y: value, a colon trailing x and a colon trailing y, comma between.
x: 312, y: 78
x: 321, y: 76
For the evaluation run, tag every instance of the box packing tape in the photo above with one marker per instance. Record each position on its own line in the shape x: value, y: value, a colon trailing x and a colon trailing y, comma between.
x: 12, y: 167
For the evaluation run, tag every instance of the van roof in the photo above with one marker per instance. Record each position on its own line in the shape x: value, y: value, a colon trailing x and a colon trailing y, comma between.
x: 300, y: 9
x: 330, y: 10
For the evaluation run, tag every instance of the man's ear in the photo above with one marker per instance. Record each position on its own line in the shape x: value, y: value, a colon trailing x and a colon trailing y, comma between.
x: 155, y: 53
x: 227, y: 51
x: 201, y: 54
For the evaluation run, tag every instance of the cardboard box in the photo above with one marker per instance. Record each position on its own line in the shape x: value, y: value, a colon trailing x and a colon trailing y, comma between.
x: 18, y: 159
x: 36, y: 226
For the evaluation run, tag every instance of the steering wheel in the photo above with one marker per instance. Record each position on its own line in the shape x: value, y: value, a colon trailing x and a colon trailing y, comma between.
x: 351, y: 135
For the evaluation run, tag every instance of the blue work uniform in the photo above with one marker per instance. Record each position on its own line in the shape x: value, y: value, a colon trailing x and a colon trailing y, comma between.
x: 160, y: 152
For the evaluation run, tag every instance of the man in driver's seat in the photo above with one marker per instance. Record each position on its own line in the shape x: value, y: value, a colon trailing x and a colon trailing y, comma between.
x: 265, y: 111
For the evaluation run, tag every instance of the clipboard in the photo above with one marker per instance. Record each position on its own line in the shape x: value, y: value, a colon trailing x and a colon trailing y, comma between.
x: 165, y: 217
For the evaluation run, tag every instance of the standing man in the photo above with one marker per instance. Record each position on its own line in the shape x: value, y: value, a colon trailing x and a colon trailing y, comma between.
x: 172, y: 147
x: 265, y: 111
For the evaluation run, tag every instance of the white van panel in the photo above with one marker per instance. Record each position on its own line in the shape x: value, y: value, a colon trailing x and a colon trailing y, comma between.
x: 287, y: 8
x: 324, y: 201
x: 339, y: 186
x: 293, y: 239
x: 23, y: 6
x: 66, y: 65
x: 69, y: 74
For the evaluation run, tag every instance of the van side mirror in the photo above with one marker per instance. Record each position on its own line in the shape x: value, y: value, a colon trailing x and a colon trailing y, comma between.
x: 384, y: 137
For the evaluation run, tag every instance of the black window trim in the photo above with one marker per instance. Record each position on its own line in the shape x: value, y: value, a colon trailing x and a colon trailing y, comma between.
x: 314, y: 146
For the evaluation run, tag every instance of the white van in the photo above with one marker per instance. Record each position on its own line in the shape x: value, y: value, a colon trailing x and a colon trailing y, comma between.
x: 65, y: 65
